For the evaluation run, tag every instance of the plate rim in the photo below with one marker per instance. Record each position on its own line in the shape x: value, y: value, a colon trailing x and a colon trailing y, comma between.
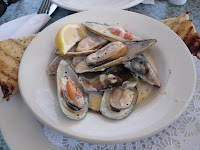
x: 124, y: 140
x: 131, y: 4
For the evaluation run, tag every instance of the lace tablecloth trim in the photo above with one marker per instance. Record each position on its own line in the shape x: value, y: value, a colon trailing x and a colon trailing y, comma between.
x: 183, y: 134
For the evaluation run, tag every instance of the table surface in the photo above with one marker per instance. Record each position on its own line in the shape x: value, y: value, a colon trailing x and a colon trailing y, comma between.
x: 161, y: 10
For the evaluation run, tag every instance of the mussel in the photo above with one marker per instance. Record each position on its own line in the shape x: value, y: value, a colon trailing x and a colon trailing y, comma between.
x: 118, y: 103
x: 53, y: 67
x: 109, y: 32
x: 72, y: 98
x: 110, y: 52
x: 140, y: 66
x: 134, y: 49
x: 90, y: 43
x: 114, y: 77
x: 86, y: 46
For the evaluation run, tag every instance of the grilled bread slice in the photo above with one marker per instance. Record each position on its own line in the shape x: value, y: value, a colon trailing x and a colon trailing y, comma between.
x: 11, y: 52
x: 185, y: 29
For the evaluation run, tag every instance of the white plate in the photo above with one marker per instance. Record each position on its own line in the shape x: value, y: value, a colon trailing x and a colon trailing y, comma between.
x: 81, y: 5
x: 20, y: 129
x: 171, y: 57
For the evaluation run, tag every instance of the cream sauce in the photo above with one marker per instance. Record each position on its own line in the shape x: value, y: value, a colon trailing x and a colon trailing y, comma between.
x: 144, y: 90
x: 163, y: 92
x: 95, y: 100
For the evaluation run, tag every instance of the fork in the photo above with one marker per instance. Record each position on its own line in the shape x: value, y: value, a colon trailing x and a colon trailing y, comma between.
x: 47, y: 7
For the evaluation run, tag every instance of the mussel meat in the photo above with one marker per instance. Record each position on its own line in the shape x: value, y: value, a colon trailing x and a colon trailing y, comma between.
x: 90, y: 43
x: 110, y: 52
x: 107, y: 80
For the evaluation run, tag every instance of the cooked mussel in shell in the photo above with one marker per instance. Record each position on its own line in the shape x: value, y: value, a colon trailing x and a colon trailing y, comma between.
x: 118, y: 103
x: 121, y: 98
x: 110, y: 52
x: 90, y: 43
x: 111, y: 78
x: 140, y: 66
x: 72, y: 99
x: 134, y: 49
x: 86, y: 46
x: 109, y: 32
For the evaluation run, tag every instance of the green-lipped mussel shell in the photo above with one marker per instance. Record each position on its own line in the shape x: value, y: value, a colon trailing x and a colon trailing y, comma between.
x: 135, y: 48
x: 65, y: 71
x: 100, y: 29
x: 112, y: 113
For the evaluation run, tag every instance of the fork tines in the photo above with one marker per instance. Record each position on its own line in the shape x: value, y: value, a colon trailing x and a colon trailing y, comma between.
x: 45, y: 6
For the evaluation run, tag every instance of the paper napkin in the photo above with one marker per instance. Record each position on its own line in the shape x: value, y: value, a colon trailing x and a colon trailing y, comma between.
x: 23, y: 26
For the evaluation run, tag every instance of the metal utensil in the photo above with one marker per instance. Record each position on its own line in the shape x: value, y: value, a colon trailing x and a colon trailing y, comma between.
x: 47, y: 7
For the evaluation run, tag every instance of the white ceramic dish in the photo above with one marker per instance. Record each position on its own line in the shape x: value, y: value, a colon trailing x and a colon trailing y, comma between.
x: 82, y: 5
x: 171, y: 57
x: 19, y: 127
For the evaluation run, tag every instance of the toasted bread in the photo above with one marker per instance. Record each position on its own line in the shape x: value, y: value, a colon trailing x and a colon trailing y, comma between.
x: 185, y: 29
x: 11, y: 52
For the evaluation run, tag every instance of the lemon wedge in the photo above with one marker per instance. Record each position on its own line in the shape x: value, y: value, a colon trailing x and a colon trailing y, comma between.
x: 68, y: 36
